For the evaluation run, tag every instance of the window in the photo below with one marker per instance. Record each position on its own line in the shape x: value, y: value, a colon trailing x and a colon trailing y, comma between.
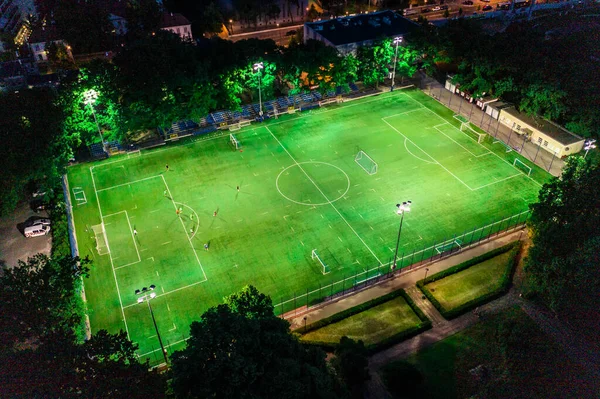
x: 539, y: 140
x: 545, y: 143
x: 177, y: 29
x: 518, y: 127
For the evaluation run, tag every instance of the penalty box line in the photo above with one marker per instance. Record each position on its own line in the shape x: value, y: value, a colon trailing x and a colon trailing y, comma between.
x: 112, y: 263
x: 498, y: 156
x: 132, y: 238
x: 324, y: 196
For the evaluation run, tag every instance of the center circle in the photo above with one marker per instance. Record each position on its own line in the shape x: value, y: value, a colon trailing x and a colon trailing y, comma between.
x: 312, y: 183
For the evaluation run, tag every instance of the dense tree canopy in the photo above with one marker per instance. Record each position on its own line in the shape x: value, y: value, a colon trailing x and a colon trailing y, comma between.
x: 240, y: 349
x: 565, y: 226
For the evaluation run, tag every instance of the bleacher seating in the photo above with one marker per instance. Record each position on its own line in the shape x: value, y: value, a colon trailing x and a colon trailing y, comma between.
x: 353, y: 87
x: 97, y: 151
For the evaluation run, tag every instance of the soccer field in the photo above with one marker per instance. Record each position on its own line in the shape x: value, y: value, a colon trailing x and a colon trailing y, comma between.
x: 301, y: 188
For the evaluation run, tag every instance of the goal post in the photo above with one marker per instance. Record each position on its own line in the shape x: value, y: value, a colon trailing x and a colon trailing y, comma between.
x: 324, y: 267
x: 234, y: 141
x: 366, y: 162
x: 101, y: 240
x: 469, y: 131
x: 517, y: 163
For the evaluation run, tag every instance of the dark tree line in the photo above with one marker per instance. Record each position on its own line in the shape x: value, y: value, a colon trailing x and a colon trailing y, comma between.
x: 541, y: 67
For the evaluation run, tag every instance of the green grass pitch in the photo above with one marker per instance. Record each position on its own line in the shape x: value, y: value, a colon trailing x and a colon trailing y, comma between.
x: 300, y: 188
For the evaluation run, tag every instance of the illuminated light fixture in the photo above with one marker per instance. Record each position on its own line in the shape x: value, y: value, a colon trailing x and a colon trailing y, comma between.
x: 402, y: 208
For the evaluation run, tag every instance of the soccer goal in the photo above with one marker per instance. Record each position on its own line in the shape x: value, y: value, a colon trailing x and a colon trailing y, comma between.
x: 234, y: 142
x: 522, y: 167
x: 469, y: 131
x: 508, y: 148
x: 366, y: 162
x: 314, y: 255
x: 134, y: 153
x: 449, y: 246
x: 100, y: 236
x: 79, y: 196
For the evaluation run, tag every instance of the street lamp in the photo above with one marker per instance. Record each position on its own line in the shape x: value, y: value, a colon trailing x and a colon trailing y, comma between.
x: 145, y: 295
x: 426, y: 270
x: 231, y: 25
x: 397, y: 41
x: 89, y: 98
x: 402, y: 208
x: 257, y: 67
x: 588, y: 145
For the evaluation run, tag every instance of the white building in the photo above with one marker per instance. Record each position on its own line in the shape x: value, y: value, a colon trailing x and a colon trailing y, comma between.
x: 348, y: 33
x: 14, y: 17
x: 177, y: 24
x: 548, y: 135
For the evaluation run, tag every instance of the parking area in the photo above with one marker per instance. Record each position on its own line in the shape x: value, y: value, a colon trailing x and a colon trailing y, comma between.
x: 13, y: 244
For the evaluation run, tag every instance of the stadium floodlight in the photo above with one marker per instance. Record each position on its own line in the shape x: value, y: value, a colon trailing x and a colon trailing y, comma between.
x: 89, y: 98
x: 588, y: 145
x: 397, y: 41
x: 145, y: 295
x: 402, y: 209
x: 257, y: 67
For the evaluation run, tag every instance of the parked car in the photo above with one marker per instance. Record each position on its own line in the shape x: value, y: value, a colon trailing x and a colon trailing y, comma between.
x: 467, y: 3
x: 487, y: 8
x: 36, y: 230
x: 38, y: 205
x: 425, y: 10
x: 436, y: 8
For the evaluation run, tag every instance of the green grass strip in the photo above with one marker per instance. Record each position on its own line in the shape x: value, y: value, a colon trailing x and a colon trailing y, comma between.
x: 502, y: 288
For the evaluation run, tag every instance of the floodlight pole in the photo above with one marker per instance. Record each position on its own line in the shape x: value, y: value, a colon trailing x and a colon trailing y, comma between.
x: 90, y: 99
x: 402, y: 208
x: 397, y: 41
x: 257, y: 67
x: 588, y: 145
x: 146, y: 296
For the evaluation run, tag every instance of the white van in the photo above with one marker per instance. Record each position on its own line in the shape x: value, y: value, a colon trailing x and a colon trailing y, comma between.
x: 36, y: 230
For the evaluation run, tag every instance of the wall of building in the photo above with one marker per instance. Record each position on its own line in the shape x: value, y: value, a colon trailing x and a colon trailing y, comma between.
x: 184, y: 31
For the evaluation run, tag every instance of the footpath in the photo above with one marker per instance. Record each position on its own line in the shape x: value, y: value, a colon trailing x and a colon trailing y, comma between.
x: 403, y: 280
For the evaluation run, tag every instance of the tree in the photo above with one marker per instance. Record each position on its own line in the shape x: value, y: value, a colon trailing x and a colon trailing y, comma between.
x: 240, y: 349
x: 374, y: 62
x: 38, y: 297
x: 562, y: 265
x: 84, y: 25
x: 351, y: 364
x: 58, y: 56
x: 210, y: 20
x: 32, y: 123
x: 143, y: 17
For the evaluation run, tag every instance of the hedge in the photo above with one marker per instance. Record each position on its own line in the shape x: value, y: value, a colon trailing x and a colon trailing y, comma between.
x: 502, y: 289
x: 425, y: 323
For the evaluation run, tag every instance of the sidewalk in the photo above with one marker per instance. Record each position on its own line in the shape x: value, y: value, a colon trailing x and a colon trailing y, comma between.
x: 403, y: 280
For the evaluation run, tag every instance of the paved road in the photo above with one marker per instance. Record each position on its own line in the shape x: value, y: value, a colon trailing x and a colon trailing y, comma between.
x: 281, y: 35
x: 13, y: 244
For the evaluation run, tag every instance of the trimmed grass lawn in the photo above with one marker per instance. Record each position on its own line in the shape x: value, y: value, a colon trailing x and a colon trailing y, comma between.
x: 508, y: 344
x: 466, y: 285
x: 371, y: 326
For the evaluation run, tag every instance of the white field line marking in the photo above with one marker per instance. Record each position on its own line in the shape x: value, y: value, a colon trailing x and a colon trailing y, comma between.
x: 131, y: 182
x: 498, y: 181
x: 170, y: 292
x: 127, y: 265
x: 165, y: 243
x: 323, y: 194
x: 442, y: 166
x: 110, y: 256
x: 156, y: 210
x: 498, y: 156
x: 411, y: 153
x: 184, y: 229
x: 133, y: 237
x: 197, y: 225
x: 457, y: 143
x: 166, y: 346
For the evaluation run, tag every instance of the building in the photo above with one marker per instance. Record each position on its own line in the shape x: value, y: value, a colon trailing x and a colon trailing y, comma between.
x: 40, y: 38
x: 13, y: 76
x: 14, y: 20
x: 177, y: 24
x: 348, y: 33
x: 493, y: 109
x: 549, y: 136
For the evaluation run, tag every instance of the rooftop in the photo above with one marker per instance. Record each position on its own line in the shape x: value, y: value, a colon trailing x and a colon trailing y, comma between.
x: 551, y: 129
x: 43, y: 34
x: 168, y: 20
x: 363, y: 27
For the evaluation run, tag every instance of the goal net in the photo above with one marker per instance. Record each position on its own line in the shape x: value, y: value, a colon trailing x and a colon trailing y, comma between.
x: 522, y: 167
x: 324, y: 267
x: 452, y: 245
x: 234, y: 142
x: 366, y: 162
x: 469, y: 131
x: 100, y: 236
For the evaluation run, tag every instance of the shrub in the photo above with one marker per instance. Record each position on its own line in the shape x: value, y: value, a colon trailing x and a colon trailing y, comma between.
x: 503, y: 287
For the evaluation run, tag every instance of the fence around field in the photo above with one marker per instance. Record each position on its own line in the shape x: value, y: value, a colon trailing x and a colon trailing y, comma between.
x: 407, y: 261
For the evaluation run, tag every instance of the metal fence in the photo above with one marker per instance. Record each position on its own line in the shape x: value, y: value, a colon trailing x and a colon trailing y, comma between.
x: 300, y: 302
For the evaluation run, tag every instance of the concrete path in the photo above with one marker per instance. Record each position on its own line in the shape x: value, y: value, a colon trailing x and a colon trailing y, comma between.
x: 426, y: 306
x: 403, y: 280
